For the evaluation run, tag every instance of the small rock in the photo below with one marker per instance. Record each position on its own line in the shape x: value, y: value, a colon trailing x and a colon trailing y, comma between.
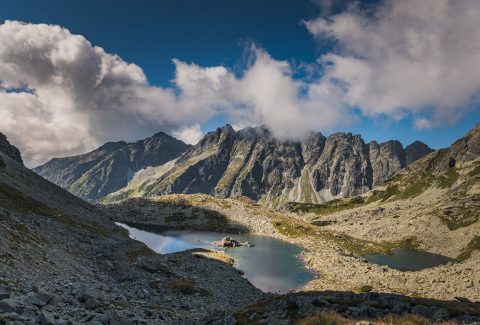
x: 462, y: 299
x: 92, y: 303
x: 5, y: 292
x: 46, y: 318
x: 7, y: 305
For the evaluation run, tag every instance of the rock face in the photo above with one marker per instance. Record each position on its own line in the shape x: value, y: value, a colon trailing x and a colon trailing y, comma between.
x: 415, y: 151
x: 462, y: 151
x: 110, y: 167
x: 252, y: 163
x: 9, y: 150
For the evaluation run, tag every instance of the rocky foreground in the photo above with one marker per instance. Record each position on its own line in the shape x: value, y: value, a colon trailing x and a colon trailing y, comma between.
x: 62, y: 261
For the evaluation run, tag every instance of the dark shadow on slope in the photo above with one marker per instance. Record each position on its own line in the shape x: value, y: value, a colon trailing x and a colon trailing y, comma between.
x: 158, y: 216
x: 349, y: 307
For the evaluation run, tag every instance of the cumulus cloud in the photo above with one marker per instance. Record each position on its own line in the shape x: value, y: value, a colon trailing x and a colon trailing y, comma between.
x: 190, y: 134
x: 60, y: 95
x: 422, y: 123
x: 408, y: 56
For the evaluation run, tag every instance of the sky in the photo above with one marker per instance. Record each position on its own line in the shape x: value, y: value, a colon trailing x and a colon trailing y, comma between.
x: 75, y: 74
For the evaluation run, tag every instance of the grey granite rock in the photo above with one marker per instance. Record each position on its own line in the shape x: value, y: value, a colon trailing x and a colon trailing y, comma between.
x: 254, y: 164
x: 110, y: 167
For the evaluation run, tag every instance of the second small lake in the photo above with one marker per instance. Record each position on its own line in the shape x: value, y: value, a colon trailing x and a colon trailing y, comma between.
x: 271, y: 265
x: 409, y: 259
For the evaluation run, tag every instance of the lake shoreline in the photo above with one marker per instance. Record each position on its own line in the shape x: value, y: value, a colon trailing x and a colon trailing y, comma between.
x: 272, y: 265
x: 337, y: 268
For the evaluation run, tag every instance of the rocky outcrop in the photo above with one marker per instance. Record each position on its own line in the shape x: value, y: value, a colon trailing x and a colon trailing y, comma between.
x: 415, y: 151
x: 252, y: 163
x: 110, y: 167
x: 230, y: 242
x: 386, y: 159
x: 9, y: 150
x: 462, y: 151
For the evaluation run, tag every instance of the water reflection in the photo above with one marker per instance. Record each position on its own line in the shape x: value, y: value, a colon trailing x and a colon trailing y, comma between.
x: 272, y: 265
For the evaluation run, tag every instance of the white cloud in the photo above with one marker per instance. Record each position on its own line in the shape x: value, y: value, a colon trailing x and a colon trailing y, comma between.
x: 191, y: 134
x: 82, y: 96
x: 79, y: 96
x: 59, y: 95
x: 408, y: 56
x: 422, y: 124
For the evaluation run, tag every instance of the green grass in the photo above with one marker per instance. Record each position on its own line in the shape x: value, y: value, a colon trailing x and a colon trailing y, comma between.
x: 328, y: 207
x: 400, y: 188
x: 359, y: 247
x: 366, y: 288
x: 475, y: 171
x: 448, y: 178
x: 462, y: 216
x: 466, y: 253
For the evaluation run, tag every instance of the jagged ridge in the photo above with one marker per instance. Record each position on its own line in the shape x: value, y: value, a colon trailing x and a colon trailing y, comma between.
x: 252, y: 163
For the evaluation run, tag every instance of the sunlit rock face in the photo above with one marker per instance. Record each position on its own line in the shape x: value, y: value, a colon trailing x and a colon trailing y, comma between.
x: 253, y: 163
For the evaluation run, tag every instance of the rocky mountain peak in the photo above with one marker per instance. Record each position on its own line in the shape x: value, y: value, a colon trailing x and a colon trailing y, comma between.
x: 251, y: 162
x: 110, y: 147
x: 415, y: 151
x: 10, y: 150
x: 111, y: 166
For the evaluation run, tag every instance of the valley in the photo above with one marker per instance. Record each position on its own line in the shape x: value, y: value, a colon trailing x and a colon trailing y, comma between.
x: 90, y: 271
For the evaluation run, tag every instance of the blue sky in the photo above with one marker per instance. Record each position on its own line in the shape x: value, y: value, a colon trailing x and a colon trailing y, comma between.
x: 215, y: 33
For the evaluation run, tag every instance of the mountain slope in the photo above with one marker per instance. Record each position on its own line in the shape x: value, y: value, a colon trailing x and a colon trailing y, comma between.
x: 110, y: 167
x: 64, y: 261
x: 252, y: 163
x: 9, y: 150
x: 436, y: 199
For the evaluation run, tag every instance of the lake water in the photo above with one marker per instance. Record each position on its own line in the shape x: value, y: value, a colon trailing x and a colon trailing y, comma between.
x: 409, y: 259
x: 272, y: 265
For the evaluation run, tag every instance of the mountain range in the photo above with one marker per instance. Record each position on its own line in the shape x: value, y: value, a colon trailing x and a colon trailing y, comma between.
x: 110, y: 167
x: 228, y: 163
x: 252, y: 163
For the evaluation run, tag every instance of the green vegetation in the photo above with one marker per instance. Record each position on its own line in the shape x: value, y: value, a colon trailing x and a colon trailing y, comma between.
x: 323, y: 223
x: 475, y: 171
x: 472, y: 246
x: 2, y: 164
x: 366, y: 288
x: 459, y: 217
x: 296, y: 228
x: 415, y: 184
x: 448, y: 178
x: 328, y: 207
x: 325, y: 318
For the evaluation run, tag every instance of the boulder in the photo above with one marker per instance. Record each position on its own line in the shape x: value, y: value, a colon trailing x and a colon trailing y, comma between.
x: 230, y: 242
x: 8, y: 305
x: 5, y: 292
x: 46, y: 318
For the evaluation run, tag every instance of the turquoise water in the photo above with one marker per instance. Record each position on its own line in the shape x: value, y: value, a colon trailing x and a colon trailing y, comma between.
x: 409, y: 259
x: 272, y: 265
